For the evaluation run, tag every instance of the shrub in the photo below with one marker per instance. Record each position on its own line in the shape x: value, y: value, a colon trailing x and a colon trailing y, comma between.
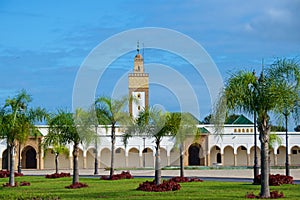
x: 273, y: 195
x: 57, y: 175
x: 76, y: 185
x: 5, y: 174
x: 22, y: 183
x: 123, y: 175
x: 166, y: 185
x: 276, y: 180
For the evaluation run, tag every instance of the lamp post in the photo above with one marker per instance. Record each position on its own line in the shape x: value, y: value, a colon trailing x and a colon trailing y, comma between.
x: 287, y: 168
x: 144, y: 159
x: 96, y: 151
x: 19, y: 160
x: 255, y: 167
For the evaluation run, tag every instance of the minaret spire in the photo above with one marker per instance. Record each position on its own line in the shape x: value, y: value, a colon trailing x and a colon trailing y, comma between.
x: 138, y: 47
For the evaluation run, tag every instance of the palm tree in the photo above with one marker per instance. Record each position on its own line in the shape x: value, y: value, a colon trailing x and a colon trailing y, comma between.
x: 276, y: 89
x: 110, y: 112
x: 72, y: 128
x: 54, y: 141
x: 183, y: 125
x: 152, y: 123
x: 17, y: 124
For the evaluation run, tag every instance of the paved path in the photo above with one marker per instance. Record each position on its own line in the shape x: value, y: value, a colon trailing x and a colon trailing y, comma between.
x: 220, y: 173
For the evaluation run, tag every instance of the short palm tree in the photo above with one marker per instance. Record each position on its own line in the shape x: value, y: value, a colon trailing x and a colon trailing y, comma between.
x: 183, y: 125
x: 276, y: 89
x: 71, y: 128
x: 17, y: 124
x: 57, y: 148
x: 110, y: 112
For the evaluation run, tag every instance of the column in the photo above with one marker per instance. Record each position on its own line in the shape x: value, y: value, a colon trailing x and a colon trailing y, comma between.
x: 235, y: 159
x: 248, y: 160
x: 84, y: 162
x: 208, y: 159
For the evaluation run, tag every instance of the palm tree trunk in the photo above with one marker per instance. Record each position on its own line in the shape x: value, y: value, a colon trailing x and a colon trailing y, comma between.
x: 11, y: 167
x: 113, y: 141
x: 157, y: 164
x: 181, y: 161
x: 56, y: 163
x: 75, y: 164
x: 265, y: 167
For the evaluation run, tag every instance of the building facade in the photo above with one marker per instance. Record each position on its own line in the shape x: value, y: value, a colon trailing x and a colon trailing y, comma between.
x: 234, y: 147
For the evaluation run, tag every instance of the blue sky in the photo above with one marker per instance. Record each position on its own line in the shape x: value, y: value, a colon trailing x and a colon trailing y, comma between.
x: 44, y: 43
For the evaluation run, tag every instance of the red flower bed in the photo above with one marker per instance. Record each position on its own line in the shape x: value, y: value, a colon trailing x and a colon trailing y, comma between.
x: 166, y: 185
x: 4, y: 174
x: 273, y: 195
x: 123, y: 175
x: 57, y: 175
x: 179, y: 179
x: 276, y: 180
x: 23, y: 183
x: 76, y: 185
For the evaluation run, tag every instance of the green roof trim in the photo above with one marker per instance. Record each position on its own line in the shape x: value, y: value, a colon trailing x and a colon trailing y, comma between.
x: 203, y: 130
x: 241, y: 119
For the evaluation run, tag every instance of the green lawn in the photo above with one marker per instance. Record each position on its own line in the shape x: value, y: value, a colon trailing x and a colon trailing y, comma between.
x: 126, y: 189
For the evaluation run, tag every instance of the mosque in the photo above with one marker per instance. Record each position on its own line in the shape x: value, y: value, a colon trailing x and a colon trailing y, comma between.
x: 235, y: 148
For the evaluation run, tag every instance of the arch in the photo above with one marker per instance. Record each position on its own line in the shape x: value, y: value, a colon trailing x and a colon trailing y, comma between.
x: 149, y: 159
x: 281, y: 156
x: 90, y: 158
x: 49, y: 160
x: 120, y: 159
x: 29, y: 160
x: 5, y: 159
x: 195, y: 155
x: 133, y: 158
x: 105, y: 158
x: 252, y: 155
x: 241, y: 156
x: 214, y: 151
x: 163, y: 157
x: 174, y: 157
x: 228, y: 156
x: 295, y: 156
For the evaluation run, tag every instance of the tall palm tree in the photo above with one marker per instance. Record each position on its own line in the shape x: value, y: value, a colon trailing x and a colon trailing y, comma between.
x: 183, y: 125
x: 111, y: 112
x: 17, y: 124
x: 152, y: 123
x: 72, y: 128
x: 276, y: 89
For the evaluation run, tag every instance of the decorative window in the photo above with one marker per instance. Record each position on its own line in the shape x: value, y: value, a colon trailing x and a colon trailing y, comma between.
x: 139, y: 95
x: 139, y: 108
x: 243, y: 130
x: 251, y: 130
x: 118, y: 150
x: 235, y: 130
x: 294, y: 151
x: 239, y: 130
x: 247, y: 130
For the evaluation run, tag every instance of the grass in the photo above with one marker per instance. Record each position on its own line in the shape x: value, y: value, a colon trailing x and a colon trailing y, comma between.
x: 126, y: 189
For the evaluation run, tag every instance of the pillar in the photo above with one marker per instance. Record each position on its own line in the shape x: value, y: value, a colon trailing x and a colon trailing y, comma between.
x: 84, y: 162
x: 223, y: 157
x: 248, y: 160
x: 235, y: 159
x: 208, y: 159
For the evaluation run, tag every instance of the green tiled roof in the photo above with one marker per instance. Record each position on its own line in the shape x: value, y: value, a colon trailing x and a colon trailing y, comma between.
x: 241, y: 119
x: 203, y: 130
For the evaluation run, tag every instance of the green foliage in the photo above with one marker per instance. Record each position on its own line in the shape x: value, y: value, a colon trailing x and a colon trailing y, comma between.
x: 42, y: 188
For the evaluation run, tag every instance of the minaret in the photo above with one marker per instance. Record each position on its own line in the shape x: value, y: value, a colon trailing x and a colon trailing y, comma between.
x: 138, y: 86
